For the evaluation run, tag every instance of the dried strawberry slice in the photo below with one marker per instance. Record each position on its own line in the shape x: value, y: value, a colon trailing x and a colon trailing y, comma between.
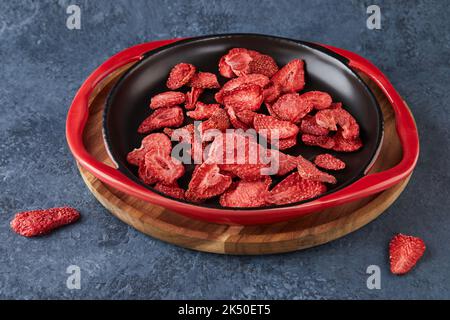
x: 150, y: 142
x: 330, y: 118
x: 404, y: 253
x: 263, y: 64
x: 219, y: 121
x: 271, y: 111
x: 310, y: 126
x: 172, y: 190
x: 346, y: 145
x: 285, y: 163
x: 269, y: 126
x: 325, y: 142
x: 329, y: 162
x: 180, y: 75
x: 160, y: 118
x: 167, y: 99
x: 207, y: 182
x: 203, y: 111
x: 192, y: 97
x: 294, y: 189
x: 307, y: 170
x: 320, y: 100
x: 291, y: 107
x: 246, y: 116
x: 204, y: 80
x: 271, y: 93
x: 235, y: 122
x: 258, y: 79
x: 145, y: 175
x: 291, y: 77
x: 245, y: 97
x: 163, y: 168
x: 183, y: 134
x: 39, y: 222
x: 225, y: 69
x: 284, y: 144
x: 246, y: 194
x: 239, y: 59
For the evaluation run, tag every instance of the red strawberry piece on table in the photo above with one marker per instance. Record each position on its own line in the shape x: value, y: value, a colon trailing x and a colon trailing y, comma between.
x: 325, y: 142
x: 263, y: 64
x: 246, y: 193
x: 271, y: 93
x: 167, y: 99
x: 294, y: 189
x: 163, y: 168
x: 192, y: 97
x: 329, y: 162
x: 291, y: 107
x: 225, y: 69
x: 320, y: 100
x: 39, y: 222
x: 203, y: 111
x: 244, y: 97
x: 331, y: 118
x: 404, y: 252
x: 345, y: 145
x: 172, y: 190
x: 307, y: 170
x: 207, y: 182
x: 150, y: 142
x: 204, y: 80
x: 291, y: 77
x: 270, y: 126
x: 219, y: 121
x: 161, y: 118
x: 180, y: 75
x: 310, y: 126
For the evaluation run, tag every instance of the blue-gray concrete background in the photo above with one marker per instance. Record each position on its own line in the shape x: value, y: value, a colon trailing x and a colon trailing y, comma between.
x: 43, y: 64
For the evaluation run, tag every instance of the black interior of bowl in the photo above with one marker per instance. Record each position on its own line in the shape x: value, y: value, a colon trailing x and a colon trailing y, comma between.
x: 127, y: 104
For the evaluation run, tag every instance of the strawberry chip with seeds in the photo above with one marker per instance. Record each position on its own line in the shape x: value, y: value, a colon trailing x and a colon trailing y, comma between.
x: 161, y: 118
x: 263, y: 64
x: 163, y: 168
x: 257, y: 79
x: 404, y: 253
x: 39, y: 222
x: 180, y: 75
x: 307, y: 170
x: 291, y: 77
x: 235, y: 122
x: 167, y: 99
x: 294, y: 189
x: 204, y: 80
x: 329, y: 162
x: 310, y: 126
x: 246, y: 193
x: 192, y: 98
x: 291, y: 107
x: 207, y: 182
x: 269, y: 126
x: 172, y: 190
x: 225, y: 69
x: 219, y: 121
x: 271, y: 93
x: 346, y: 145
x: 283, y: 144
x: 325, y: 142
x: 320, y: 100
x: 238, y: 59
x: 203, y: 111
x: 244, y: 97
x: 151, y: 142
x: 331, y: 118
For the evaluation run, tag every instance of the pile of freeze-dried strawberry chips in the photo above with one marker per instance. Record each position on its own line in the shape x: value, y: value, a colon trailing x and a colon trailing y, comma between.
x: 239, y: 143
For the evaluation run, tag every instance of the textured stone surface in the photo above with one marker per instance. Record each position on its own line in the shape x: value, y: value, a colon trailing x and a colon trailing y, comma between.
x: 42, y: 65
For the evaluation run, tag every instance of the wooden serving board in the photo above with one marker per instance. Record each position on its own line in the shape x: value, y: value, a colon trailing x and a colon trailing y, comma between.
x: 309, y: 231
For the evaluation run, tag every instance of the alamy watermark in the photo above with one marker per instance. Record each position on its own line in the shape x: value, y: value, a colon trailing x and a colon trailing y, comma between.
x: 73, y: 21
x: 73, y: 281
x: 374, y: 20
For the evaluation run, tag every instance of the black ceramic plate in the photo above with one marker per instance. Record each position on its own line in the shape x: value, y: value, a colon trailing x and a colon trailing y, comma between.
x: 127, y: 104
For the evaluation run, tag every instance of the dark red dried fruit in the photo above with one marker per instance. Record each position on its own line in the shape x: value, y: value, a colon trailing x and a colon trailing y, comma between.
x: 172, y: 190
x: 404, y: 253
x: 294, y: 189
x: 285, y: 163
x: 239, y: 59
x: 245, y: 171
x: 291, y: 77
x: 271, y: 127
x: 307, y: 170
x: 284, y: 144
x: 151, y: 142
x: 331, y: 118
x: 346, y: 145
x: 258, y: 79
x: 291, y: 107
x: 167, y: 99
x: 246, y: 193
x: 192, y: 98
x: 204, y: 80
x: 219, y: 121
x: 271, y: 93
x: 180, y: 75
x: 203, y: 111
x: 244, y: 97
x: 329, y: 162
x: 163, y: 168
x: 263, y: 64
x: 39, y: 222
x: 309, y: 126
x: 183, y: 134
x: 161, y: 118
x: 320, y: 100
x: 207, y: 182
x: 325, y: 142
x: 235, y: 122
x: 246, y: 117
x: 144, y: 175
x: 225, y: 69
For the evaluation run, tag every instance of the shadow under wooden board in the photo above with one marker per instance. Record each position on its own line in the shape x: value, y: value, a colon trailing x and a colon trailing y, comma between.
x: 305, y: 232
